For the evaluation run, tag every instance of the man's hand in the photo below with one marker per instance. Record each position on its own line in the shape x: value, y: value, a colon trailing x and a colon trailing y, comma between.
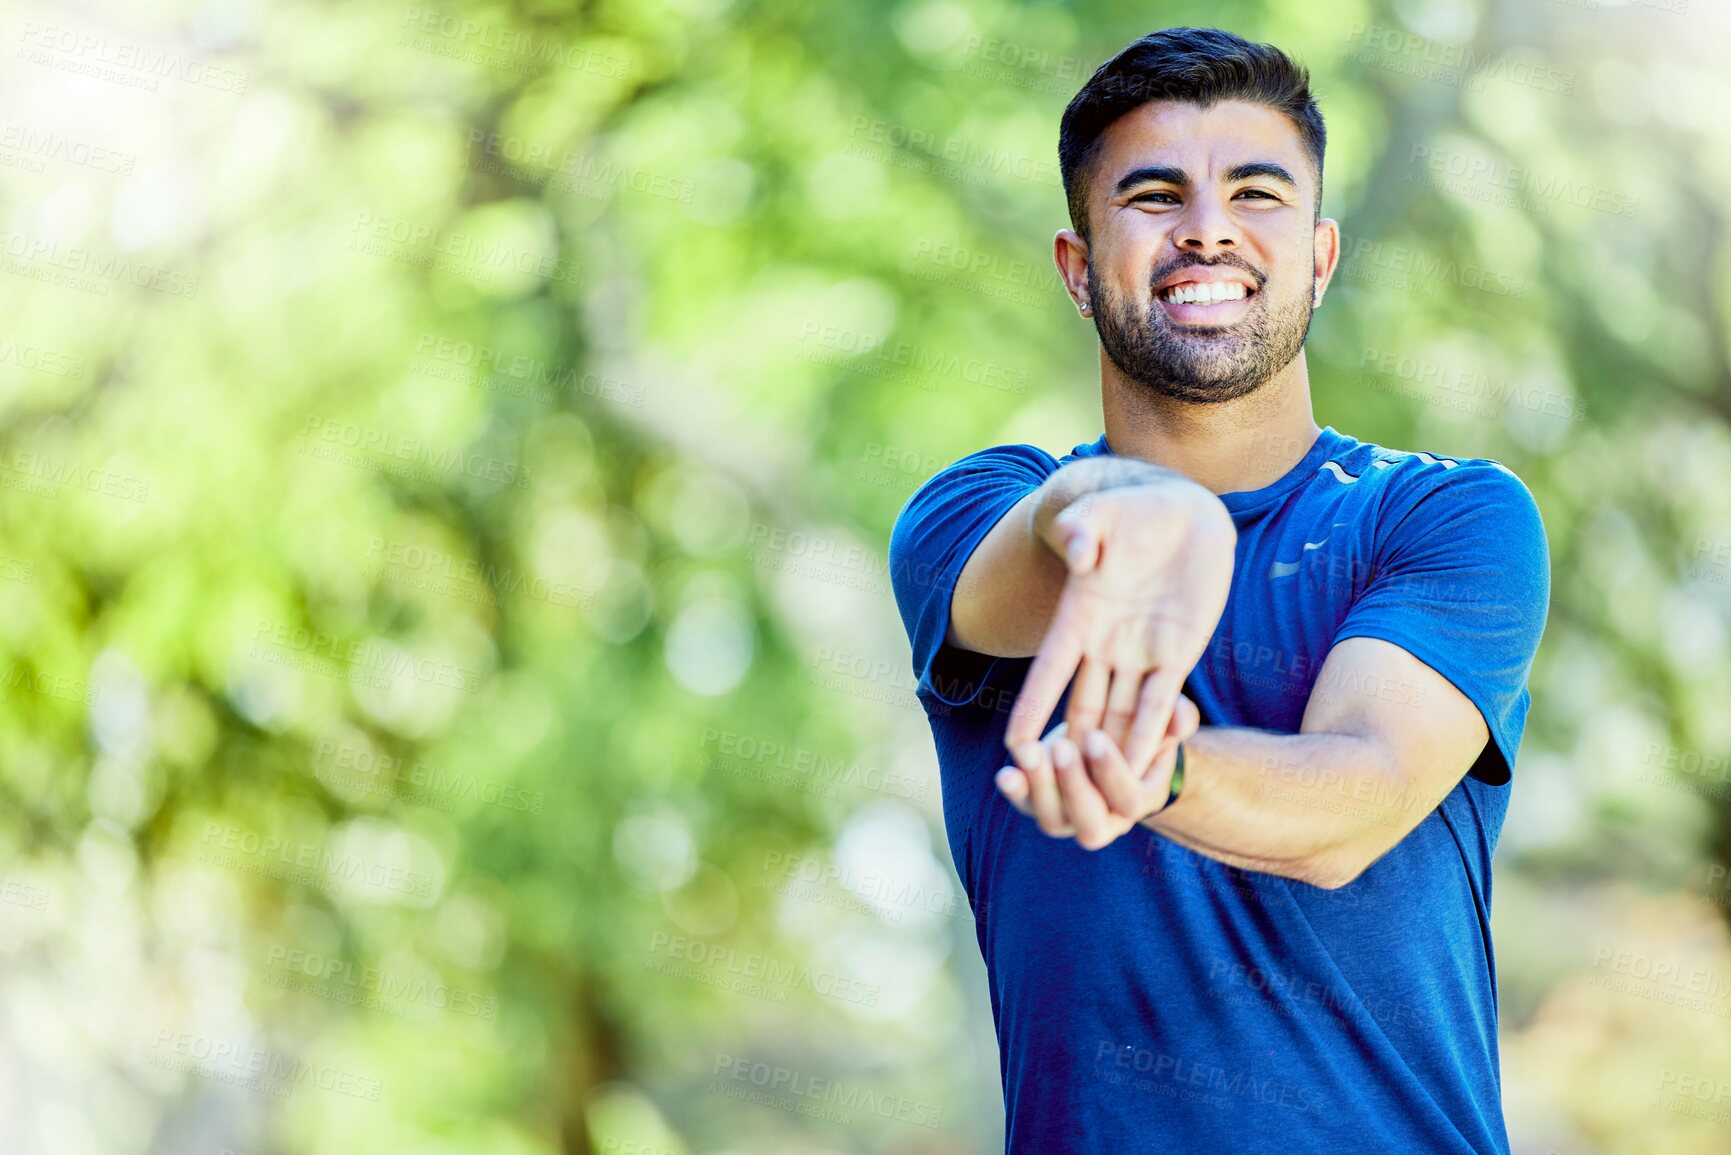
x: 1088, y: 792
x: 1149, y: 570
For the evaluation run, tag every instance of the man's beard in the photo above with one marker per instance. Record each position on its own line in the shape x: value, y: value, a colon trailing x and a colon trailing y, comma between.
x: 1204, y: 366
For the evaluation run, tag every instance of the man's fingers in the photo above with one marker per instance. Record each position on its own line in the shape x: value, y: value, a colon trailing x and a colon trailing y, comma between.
x: 1043, y: 797
x: 1012, y: 783
x: 1123, y: 791
x: 1088, y: 695
x: 1044, y: 684
x: 1157, y: 783
x: 1121, y: 702
x: 1081, y: 545
x: 1153, y: 715
x: 1082, y: 802
x: 1186, y: 720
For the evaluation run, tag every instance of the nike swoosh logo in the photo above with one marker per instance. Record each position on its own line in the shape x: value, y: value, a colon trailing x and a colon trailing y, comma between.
x: 1282, y: 569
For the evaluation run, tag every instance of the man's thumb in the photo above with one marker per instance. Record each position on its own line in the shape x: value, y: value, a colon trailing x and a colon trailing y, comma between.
x: 1079, y: 544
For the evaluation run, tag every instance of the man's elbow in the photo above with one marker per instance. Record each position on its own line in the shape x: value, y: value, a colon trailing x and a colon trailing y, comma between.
x: 1334, y: 868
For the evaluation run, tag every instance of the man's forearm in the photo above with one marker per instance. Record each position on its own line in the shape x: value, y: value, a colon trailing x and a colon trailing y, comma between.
x: 1075, y: 481
x: 1008, y: 591
x: 1318, y: 808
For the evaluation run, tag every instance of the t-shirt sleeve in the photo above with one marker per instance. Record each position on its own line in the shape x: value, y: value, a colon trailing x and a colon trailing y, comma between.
x: 935, y: 533
x: 1462, y: 581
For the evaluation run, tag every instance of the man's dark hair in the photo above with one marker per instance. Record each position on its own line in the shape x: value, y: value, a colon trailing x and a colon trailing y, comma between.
x: 1195, y: 65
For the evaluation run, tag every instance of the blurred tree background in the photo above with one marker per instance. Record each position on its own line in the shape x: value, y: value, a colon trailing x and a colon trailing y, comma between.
x: 452, y: 697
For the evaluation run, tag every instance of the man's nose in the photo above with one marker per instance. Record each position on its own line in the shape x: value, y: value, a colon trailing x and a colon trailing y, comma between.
x: 1206, y: 227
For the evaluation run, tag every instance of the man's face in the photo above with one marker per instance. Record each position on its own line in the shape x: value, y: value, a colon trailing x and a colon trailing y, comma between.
x: 1202, y: 268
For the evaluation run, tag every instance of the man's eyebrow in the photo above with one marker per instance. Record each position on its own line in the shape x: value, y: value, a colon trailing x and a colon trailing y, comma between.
x: 1166, y: 174
x: 1257, y: 168
x: 1149, y: 173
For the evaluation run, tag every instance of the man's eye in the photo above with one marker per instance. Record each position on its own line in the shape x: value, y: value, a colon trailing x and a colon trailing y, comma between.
x: 1256, y: 192
x: 1169, y: 198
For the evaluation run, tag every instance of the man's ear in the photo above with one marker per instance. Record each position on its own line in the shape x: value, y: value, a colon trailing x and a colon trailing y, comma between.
x: 1070, y: 252
x: 1327, y: 246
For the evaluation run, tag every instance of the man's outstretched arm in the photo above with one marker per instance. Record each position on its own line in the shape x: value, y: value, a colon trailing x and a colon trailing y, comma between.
x: 1009, y: 588
x: 1111, y: 574
x: 1384, y: 739
x: 1432, y: 659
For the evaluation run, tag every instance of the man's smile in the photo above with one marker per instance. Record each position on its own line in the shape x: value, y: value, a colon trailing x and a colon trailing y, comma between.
x: 1207, y: 295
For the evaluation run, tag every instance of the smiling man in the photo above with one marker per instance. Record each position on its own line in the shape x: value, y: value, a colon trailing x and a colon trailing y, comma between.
x: 1238, y: 898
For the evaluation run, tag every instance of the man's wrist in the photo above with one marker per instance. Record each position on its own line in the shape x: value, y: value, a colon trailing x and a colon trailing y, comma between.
x: 1177, y: 786
x: 1079, y: 479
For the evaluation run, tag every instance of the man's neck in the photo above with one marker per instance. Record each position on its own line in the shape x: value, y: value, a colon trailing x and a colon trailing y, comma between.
x: 1230, y: 447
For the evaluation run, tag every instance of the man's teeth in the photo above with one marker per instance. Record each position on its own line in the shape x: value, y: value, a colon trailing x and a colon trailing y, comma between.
x: 1197, y: 293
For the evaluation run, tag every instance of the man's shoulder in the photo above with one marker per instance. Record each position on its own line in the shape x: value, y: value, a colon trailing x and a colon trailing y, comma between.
x: 1410, y: 493
x: 1014, y: 463
x: 1403, y: 478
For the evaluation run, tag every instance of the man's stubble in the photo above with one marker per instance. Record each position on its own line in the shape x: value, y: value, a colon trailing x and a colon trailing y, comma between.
x: 1201, y: 366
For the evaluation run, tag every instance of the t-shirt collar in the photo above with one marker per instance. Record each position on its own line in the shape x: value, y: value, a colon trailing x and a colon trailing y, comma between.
x: 1241, y: 501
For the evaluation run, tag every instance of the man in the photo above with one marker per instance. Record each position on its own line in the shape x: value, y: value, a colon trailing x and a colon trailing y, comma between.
x: 1286, y: 947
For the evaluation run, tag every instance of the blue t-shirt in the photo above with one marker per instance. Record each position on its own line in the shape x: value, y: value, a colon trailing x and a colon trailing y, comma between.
x: 1148, y: 998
